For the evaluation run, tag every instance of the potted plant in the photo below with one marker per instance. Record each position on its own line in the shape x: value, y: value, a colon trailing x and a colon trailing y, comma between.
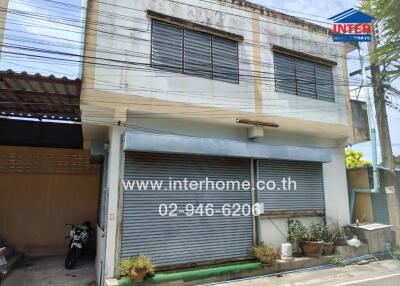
x: 313, y: 245
x: 297, y: 232
x: 265, y: 254
x: 339, y: 237
x: 136, y: 268
x: 329, y: 246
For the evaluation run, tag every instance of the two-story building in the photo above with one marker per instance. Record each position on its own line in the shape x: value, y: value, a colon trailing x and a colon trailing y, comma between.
x: 218, y: 89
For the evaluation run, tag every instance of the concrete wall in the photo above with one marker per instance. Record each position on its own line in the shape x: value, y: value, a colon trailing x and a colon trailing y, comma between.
x: 335, y: 187
x: 274, y: 231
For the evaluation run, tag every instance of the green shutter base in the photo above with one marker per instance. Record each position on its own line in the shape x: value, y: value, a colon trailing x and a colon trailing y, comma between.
x: 195, y: 274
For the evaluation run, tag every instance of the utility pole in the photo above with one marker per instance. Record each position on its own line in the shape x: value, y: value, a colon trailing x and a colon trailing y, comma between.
x: 384, y: 136
x: 380, y: 107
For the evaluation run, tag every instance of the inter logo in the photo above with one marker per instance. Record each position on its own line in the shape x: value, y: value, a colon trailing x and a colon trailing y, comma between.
x: 352, y: 26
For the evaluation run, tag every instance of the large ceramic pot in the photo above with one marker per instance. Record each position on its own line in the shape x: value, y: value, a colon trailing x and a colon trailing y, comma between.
x: 312, y: 248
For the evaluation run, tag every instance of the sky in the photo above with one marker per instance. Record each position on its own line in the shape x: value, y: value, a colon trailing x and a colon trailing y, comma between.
x: 44, y: 25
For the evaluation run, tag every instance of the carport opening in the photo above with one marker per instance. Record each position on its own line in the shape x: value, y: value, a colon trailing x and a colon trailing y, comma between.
x: 42, y: 190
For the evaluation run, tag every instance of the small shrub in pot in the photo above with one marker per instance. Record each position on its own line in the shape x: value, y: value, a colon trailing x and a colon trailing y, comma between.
x: 297, y: 232
x: 136, y: 268
x: 313, y: 245
x: 265, y: 254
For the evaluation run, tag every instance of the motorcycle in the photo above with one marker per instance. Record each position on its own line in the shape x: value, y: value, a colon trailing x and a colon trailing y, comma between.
x: 78, y: 239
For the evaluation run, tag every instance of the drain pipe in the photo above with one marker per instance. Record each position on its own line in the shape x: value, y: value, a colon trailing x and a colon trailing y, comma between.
x: 372, y: 132
x: 372, y: 127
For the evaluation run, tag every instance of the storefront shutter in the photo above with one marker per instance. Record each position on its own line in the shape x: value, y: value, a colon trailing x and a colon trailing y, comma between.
x: 182, y: 239
x: 309, y: 192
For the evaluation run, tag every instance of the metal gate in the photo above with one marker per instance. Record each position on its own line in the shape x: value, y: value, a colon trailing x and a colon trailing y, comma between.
x: 182, y: 239
x: 380, y: 207
x: 309, y: 190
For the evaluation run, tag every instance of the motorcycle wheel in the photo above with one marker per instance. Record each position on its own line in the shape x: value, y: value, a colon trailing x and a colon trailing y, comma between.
x: 72, y: 257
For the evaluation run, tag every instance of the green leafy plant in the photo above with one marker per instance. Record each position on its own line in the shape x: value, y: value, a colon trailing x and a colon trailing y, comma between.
x: 317, y: 232
x: 129, y: 267
x: 297, y: 232
x: 336, y: 260
x: 266, y: 254
x: 396, y: 252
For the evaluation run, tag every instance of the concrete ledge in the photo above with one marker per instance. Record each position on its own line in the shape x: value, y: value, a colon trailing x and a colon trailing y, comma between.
x: 351, y: 251
x: 278, y: 266
x: 111, y: 282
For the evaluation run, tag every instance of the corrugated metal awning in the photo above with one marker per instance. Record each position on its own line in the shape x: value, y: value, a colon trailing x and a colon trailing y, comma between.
x: 22, y: 94
x: 177, y: 144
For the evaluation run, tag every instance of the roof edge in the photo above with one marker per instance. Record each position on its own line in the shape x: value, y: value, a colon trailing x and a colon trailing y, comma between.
x: 265, y: 11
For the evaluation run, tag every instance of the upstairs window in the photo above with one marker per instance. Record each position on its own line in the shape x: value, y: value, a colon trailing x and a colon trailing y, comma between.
x: 195, y: 53
x: 303, y: 77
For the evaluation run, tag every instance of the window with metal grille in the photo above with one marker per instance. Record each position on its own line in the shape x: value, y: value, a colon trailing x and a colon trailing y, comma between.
x: 195, y: 53
x: 303, y: 77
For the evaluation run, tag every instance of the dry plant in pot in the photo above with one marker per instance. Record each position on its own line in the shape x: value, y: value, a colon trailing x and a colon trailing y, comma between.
x: 265, y: 254
x: 136, y: 268
x: 339, y: 237
x: 313, y: 245
x: 329, y: 245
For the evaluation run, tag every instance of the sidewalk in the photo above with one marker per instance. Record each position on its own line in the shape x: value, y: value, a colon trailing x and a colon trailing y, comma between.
x: 384, y: 273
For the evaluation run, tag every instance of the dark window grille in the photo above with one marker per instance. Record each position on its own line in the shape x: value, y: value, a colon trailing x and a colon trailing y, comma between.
x: 303, y: 77
x: 194, y: 53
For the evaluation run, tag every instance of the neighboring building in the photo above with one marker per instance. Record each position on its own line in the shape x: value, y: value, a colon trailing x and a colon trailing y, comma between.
x: 190, y: 89
x: 3, y: 15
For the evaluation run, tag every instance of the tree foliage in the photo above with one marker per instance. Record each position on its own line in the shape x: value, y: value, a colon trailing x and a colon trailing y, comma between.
x: 354, y: 159
x: 386, y: 15
x: 397, y: 161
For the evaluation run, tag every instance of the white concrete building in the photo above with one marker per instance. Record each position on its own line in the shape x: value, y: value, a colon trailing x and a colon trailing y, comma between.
x: 220, y: 89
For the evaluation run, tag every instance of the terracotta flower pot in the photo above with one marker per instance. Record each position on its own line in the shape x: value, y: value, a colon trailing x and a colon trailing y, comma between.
x: 141, y: 273
x: 312, y: 248
x: 329, y: 248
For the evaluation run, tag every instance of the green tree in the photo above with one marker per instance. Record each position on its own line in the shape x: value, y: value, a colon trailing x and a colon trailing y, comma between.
x: 354, y: 159
x: 386, y: 15
x: 397, y: 161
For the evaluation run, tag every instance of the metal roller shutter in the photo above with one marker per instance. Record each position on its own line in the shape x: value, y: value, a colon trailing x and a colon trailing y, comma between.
x: 182, y: 239
x: 309, y: 194
x: 380, y: 207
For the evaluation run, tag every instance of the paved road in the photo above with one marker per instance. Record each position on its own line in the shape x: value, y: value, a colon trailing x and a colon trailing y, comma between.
x: 383, y: 273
